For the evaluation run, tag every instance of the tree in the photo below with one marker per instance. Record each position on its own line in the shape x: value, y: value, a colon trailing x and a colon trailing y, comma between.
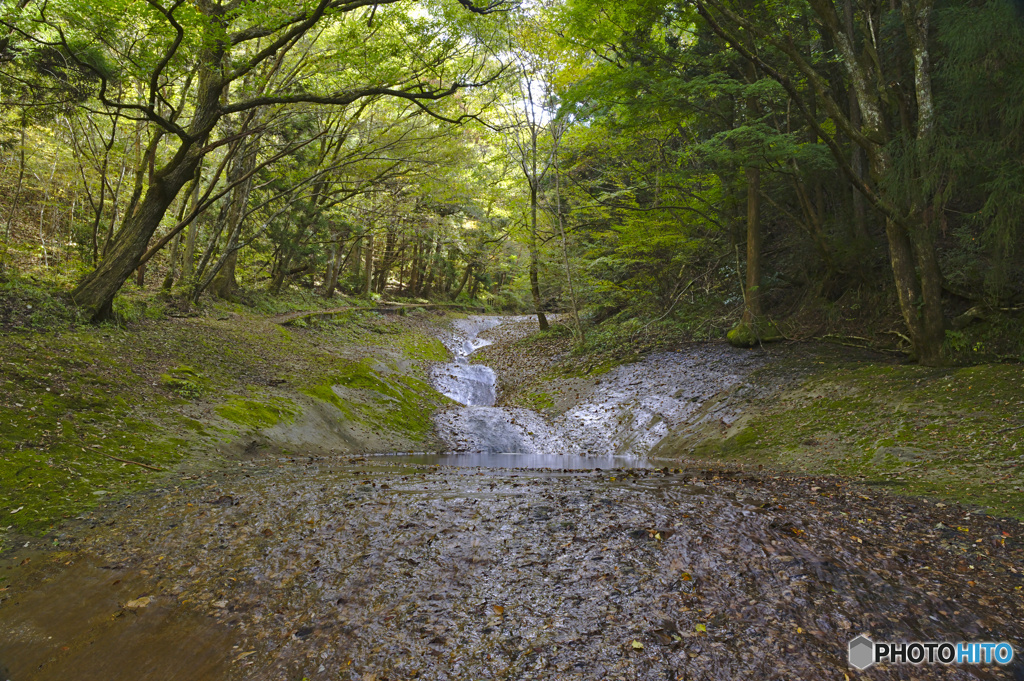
x: 223, y: 44
x: 901, y: 189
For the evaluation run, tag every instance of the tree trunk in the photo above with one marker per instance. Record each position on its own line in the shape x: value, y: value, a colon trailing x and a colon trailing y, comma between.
x: 387, y: 261
x: 368, y: 264
x: 280, y: 268
x: 96, y: 290
x: 911, y: 246
x: 432, y: 274
x: 565, y: 250
x: 358, y: 256
x: 462, y: 284
x: 172, y: 270
x: 208, y: 253
x: 919, y: 287
x: 188, y: 257
x: 339, y: 264
x: 224, y: 283
x: 752, y: 300
x: 542, y: 320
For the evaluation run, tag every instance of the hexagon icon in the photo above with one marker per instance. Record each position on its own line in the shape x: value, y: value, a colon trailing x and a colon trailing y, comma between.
x: 862, y: 652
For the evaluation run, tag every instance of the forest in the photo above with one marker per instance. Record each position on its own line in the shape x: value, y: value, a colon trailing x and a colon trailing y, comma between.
x: 807, y: 169
x: 453, y: 340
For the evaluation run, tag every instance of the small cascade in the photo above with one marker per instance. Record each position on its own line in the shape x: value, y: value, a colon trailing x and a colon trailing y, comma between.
x: 480, y: 434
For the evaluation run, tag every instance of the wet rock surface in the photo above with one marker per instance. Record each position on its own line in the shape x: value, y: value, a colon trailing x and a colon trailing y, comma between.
x: 341, y: 567
x: 620, y: 414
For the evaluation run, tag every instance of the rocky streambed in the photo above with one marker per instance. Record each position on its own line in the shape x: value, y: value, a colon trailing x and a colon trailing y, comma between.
x: 525, y: 552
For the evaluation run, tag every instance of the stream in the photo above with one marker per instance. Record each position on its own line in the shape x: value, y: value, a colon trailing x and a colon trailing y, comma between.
x: 530, y: 550
x: 482, y: 435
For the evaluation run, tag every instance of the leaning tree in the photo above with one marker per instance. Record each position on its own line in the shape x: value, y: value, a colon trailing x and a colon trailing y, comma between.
x: 193, y: 64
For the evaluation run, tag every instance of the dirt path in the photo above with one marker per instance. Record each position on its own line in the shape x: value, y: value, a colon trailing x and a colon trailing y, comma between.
x: 359, y: 568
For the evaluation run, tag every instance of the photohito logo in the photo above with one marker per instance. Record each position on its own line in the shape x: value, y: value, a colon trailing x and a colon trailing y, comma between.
x: 864, y: 652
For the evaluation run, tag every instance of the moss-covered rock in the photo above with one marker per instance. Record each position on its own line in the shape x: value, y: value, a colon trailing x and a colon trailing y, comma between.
x: 745, y: 335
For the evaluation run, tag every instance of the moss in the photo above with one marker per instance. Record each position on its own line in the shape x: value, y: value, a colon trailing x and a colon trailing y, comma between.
x: 745, y: 335
x: 54, y: 458
x: 257, y: 414
x: 373, y: 394
x: 419, y: 346
x: 72, y: 401
x: 919, y: 430
x: 537, y: 400
x: 184, y: 381
x: 72, y: 397
x: 326, y: 393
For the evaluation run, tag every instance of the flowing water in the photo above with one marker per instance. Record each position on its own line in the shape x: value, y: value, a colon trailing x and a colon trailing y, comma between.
x: 482, y: 435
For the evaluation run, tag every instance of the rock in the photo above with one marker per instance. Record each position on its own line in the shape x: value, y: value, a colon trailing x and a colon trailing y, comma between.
x: 745, y: 335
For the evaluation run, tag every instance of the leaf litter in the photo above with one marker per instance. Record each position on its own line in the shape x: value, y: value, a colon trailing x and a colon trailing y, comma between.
x: 472, y: 574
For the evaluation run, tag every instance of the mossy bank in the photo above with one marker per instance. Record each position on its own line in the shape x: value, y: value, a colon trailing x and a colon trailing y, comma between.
x: 954, y: 434
x: 91, y: 412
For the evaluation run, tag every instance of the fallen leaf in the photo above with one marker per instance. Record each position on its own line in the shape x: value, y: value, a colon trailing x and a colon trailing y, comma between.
x: 702, y: 627
x: 138, y: 602
x: 637, y: 645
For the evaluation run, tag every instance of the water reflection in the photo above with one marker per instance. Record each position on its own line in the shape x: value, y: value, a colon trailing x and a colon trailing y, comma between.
x: 518, y: 460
